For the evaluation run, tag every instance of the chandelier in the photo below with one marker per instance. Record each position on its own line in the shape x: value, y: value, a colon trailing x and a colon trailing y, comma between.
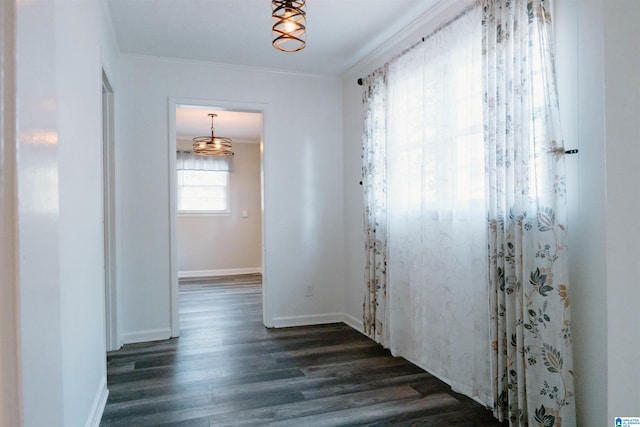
x: 212, y: 145
x: 289, y: 25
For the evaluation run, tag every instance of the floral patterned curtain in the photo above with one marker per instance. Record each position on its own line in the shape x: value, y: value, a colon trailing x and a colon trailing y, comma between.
x: 531, y: 357
x: 374, y: 184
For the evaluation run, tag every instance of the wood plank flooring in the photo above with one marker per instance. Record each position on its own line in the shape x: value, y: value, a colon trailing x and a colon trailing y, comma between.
x: 227, y: 369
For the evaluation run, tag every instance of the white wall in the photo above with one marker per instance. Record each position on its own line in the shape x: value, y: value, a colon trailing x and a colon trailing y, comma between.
x: 353, y: 207
x: 622, y: 103
x: 580, y: 77
x: 598, y: 67
x: 79, y: 122
x: 38, y: 215
x: 60, y: 210
x: 303, y: 186
x: 224, y: 244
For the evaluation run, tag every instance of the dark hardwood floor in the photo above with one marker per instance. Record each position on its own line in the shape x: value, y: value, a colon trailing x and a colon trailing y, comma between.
x: 226, y: 369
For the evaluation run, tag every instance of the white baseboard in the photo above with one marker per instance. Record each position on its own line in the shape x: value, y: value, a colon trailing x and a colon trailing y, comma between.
x: 318, y: 319
x: 353, y: 322
x: 99, y: 403
x: 144, y: 336
x: 217, y: 273
x: 314, y: 319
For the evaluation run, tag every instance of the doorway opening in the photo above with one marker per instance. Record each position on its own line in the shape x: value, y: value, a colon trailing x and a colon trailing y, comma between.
x: 224, y: 237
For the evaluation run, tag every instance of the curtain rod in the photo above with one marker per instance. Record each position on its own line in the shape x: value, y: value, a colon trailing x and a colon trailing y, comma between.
x: 361, y: 80
x: 439, y: 28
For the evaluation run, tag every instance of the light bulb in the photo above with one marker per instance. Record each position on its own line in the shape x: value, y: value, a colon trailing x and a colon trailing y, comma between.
x: 289, y: 23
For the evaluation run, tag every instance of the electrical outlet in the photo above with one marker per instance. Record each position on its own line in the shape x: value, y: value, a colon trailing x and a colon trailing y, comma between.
x: 309, y: 290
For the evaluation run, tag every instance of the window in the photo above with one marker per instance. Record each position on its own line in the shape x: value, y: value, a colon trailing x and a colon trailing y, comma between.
x: 201, y: 191
x: 435, y: 139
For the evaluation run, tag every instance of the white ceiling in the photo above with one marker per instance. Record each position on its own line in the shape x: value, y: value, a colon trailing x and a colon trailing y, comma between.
x: 339, y: 32
x: 192, y: 121
x: 238, y: 32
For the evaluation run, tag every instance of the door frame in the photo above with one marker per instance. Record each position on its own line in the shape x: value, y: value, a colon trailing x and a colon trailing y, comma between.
x: 11, y: 405
x: 249, y: 107
x: 109, y: 214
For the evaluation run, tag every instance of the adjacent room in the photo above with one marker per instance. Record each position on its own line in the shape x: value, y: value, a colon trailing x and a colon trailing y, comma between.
x: 319, y: 212
x: 218, y: 218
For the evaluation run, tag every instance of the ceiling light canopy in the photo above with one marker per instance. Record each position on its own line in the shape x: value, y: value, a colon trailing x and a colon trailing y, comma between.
x: 212, y: 145
x: 289, y: 25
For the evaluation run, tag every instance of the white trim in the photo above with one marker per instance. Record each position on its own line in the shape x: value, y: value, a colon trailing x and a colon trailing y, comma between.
x: 389, y: 43
x: 238, y: 67
x: 106, y: 10
x: 218, y: 273
x: 145, y: 336
x: 11, y: 401
x: 431, y: 19
x: 254, y: 107
x: 108, y: 174
x: 313, y: 319
x: 174, y: 298
x: 267, y: 316
x: 99, y: 403
x: 353, y: 322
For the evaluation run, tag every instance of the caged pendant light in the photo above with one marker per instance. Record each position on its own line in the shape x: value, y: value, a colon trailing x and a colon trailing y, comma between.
x: 289, y: 25
x: 212, y: 145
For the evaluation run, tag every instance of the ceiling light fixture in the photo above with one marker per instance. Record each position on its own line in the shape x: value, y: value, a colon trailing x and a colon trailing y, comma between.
x: 212, y: 145
x: 289, y: 25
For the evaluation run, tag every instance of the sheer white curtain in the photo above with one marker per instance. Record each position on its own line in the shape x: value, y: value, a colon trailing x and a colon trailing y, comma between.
x: 186, y: 160
x: 435, y: 206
